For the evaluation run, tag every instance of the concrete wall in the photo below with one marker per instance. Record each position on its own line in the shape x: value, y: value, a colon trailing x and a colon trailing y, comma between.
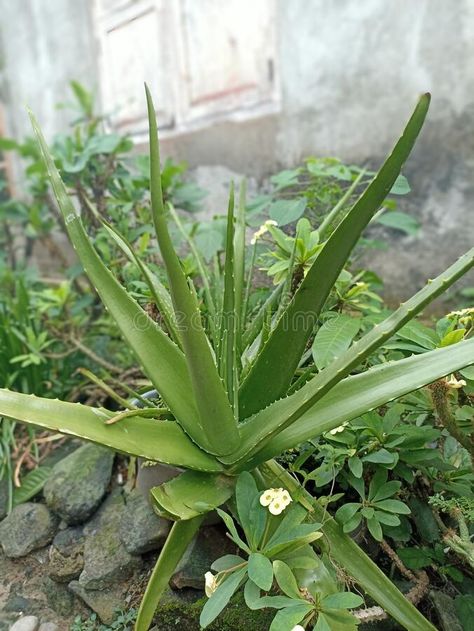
x: 44, y: 45
x: 362, y: 65
x: 349, y: 75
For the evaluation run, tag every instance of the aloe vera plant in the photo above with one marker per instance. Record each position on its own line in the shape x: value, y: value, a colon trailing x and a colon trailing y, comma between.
x: 230, y: 408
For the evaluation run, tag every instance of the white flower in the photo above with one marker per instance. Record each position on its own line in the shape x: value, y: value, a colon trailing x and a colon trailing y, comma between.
x: 267, y: 497
x: 452, y: 382
x: 262, y: 230
x: 298, y: 628
x: 210, y: 584
x: 338, y: 429
x: 276, y: 507
x: 276, y: 500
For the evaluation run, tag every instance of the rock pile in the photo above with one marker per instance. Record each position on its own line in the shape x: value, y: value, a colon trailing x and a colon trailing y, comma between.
x: 90, y: 540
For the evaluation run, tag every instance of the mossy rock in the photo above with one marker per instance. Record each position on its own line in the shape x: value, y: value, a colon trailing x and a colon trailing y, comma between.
x: 235, y: 617
x: 78, y: 483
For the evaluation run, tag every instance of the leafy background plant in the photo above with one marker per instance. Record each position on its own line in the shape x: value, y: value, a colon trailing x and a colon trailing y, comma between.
x: 375, y: 461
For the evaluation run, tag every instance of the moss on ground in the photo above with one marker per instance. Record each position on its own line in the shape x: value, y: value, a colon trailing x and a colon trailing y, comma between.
x: 235, y: 617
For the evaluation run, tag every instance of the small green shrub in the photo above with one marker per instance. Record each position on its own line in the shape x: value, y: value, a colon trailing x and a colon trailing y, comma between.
x: 123, y: 622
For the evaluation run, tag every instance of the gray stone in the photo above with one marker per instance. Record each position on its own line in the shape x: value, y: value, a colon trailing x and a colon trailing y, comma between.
x: 58, y: 597
x: 78, y: 483
x: 19, y: 604
x: 103, y: 603
x: 66, y: 555
x: 68, y: 540
x: 27, y: 623
x: 64, y: 569
x: 28, y: 527
x: 110, y: 510
x: 6, y: 621
x: 446, y: 611
x: 62, y: 451
x: 3, y: 498
x: 48, y: 626
x: 106, y: 559
x: 141, y: 529
x: 208, y: 545
x: 24, y: 598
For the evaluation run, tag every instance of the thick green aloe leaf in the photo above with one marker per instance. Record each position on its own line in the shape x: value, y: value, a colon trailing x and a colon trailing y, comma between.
x: 201, y: 265
x: 347, y: 554
x: 160, y: 441
x: 215, y: 412
x: 255, y: 327
x: 228, y: 319
x: 275, y: 366
x: 359, y: 394
x: 239, y: 263
x: 157, y: 290
x: 283, y: 413
x: 178, y: 540
x: 161, y: 359
x: 192, y: 493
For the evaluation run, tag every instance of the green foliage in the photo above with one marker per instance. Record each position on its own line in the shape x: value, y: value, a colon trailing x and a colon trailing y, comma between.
x: 47, y: 329
x: 31, y: 484
x: 318, y: 187
x: 123, y: 622
x: 219, y: 387
x: 379, y: 508
x: 372, y: 467
x: 278, y: 560
x: 26, y: 364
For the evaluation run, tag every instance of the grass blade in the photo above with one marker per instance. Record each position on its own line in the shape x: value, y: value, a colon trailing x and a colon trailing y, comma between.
x: 239, y: 264
x: 332, y: 217
x: 228, y: 320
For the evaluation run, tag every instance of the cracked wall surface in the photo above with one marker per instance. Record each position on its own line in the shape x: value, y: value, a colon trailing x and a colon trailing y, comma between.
x: 348, y: 76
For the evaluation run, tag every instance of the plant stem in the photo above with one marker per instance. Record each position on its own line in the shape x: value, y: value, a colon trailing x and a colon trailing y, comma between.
x: 103, y: 386
x: 439, y: 395
x: 147, y: 412
x: 98, y: 360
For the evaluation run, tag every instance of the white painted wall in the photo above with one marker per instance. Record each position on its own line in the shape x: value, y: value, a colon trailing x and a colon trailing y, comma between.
x: 44, y: 45
x: 258, y: 84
